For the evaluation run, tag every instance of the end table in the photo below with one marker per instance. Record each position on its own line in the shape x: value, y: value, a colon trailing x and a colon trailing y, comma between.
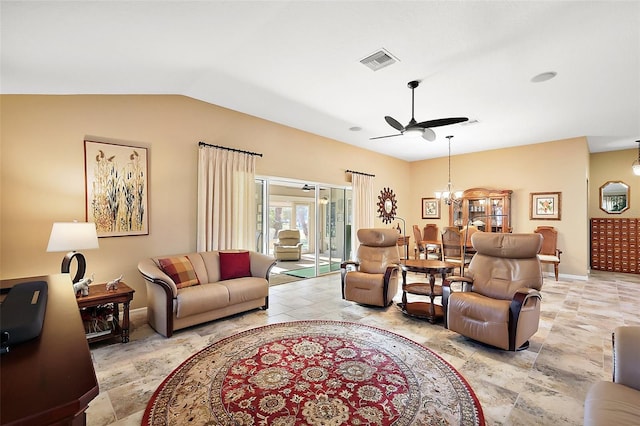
x: 98, y: 295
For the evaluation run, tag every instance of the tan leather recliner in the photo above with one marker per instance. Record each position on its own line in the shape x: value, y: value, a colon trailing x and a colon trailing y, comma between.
x: 500, y: 301
x: 288, y: 246
x: 373, y: 278
x: 618, y: 402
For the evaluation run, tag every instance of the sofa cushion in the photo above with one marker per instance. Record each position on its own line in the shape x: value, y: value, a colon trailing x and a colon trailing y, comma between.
x: 203, y: 298
x: 180, y: 270
x: 234, y: 265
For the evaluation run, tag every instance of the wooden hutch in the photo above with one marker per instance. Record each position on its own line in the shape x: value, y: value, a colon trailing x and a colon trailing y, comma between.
x: 487, y: 209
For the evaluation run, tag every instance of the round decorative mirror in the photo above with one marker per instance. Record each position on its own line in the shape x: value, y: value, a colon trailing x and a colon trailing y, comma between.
x: 387, y: 205
x: 614, y: 197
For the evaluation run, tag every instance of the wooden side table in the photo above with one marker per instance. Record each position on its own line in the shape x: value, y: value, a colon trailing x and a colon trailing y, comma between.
x: 427, y: 310
x: 98, y: 295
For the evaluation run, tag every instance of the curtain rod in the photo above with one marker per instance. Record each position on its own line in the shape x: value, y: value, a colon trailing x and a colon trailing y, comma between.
x: 229, y: 149
x: 359, y: 173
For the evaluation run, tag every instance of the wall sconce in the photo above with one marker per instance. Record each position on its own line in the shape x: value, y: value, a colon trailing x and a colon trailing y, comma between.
x: 73, y: 236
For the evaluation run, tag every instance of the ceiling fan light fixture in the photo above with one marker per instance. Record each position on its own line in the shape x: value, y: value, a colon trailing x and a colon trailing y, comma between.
x: 429, y: 134
x: 413, y: 131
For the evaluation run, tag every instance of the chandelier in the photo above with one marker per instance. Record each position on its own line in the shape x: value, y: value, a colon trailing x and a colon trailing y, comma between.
x: 636, y: 164
x: 449, y: 196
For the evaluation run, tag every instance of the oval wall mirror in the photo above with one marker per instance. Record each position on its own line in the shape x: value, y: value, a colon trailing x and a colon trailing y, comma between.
x: 614, y: 197
x: 387, y: 205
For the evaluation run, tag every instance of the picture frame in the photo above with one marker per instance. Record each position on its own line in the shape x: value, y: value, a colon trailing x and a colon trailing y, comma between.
x: 431, y: 208
x: 116, y: 188
x: 545, y: 206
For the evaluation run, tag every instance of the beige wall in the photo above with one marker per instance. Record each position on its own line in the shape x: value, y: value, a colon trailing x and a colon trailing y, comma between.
x: 42, y: 175
x: 42, y: 172
x: 560, y: 166
x: 615, y: 165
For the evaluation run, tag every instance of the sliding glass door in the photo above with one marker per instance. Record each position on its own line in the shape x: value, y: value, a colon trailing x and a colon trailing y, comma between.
x: 320, y: 213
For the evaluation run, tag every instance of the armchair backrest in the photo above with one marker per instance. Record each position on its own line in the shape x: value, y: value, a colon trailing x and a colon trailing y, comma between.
x: 549, y: 239
x: 288, y: 237
x: 378, y: 248
x: 504, y: 263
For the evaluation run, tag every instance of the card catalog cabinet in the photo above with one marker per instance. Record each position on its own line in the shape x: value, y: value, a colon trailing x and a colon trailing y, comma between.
x: 615, y: 244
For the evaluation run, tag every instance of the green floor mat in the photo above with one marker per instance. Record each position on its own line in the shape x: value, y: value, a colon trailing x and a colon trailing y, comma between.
x: 309, y: 272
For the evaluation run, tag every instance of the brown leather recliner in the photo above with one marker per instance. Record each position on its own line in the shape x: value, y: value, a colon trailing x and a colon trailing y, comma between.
x: 618, y: 402
x: 500, y: 301
x: 373, y: 278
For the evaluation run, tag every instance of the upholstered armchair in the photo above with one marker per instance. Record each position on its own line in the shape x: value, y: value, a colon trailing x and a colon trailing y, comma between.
x: 288, y: 246
x: 500, y: 299
x: 373, y: 278
x: 617, y: 402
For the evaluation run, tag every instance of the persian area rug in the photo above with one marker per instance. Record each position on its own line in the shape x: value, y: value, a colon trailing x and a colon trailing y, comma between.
x: 316, y: 373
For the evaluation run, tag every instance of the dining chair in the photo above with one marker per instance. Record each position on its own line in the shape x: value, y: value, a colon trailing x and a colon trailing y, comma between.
x: 431, y: 239
x: 549, y: 253
x: 420, y: 247
x: 452, y: 247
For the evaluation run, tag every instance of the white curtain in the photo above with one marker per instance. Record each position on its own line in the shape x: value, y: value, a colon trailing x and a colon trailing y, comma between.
x: 363, y: 207
x: 226, y: 199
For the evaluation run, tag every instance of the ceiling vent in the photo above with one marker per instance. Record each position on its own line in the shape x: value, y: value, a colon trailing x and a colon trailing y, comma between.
x: 379, y: 60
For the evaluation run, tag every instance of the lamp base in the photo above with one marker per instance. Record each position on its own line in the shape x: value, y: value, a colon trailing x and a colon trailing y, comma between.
x: 82, y: 265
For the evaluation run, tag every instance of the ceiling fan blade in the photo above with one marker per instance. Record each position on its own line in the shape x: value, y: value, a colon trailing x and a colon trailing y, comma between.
x: 394, y: 123
x: 442, y: 122
x: 387, y: 136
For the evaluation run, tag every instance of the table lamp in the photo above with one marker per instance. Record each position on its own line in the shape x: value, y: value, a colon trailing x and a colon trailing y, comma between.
x: 73, y: 236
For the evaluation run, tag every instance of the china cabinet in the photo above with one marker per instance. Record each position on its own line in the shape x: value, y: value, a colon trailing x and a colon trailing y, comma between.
x: 487, y: 209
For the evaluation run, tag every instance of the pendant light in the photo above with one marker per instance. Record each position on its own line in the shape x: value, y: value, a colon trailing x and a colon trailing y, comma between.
x: 449, y: 196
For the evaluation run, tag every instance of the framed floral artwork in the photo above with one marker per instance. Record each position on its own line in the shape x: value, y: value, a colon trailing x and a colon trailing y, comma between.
x: 545, y: 206
x: 430, y: 208
x: 116, y: 188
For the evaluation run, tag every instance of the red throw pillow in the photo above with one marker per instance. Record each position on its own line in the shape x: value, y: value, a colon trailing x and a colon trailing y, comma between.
x: 234, y: 265
x: 180, y: 270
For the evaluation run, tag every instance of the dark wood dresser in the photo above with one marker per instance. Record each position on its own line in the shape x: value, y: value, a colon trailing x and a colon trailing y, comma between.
x: 615, y: 245
x: 49, y: 380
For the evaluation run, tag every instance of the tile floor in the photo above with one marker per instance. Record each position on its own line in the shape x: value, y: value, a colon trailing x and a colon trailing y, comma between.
x: 545, y: 384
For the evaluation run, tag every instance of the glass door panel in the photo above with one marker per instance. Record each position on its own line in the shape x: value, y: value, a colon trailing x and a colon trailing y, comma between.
x: 320, y: 213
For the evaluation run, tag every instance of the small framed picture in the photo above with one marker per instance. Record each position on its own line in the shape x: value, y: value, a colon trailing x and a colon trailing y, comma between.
x: 545, y: 206
x: 430, y: 208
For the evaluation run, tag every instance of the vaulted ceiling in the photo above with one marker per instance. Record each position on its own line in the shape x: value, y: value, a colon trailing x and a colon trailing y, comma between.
x: 298, y: 63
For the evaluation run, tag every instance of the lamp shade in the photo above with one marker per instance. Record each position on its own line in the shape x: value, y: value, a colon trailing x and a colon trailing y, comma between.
x: 72, y: 236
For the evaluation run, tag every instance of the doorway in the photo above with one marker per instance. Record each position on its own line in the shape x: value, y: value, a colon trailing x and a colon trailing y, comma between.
x: 322, y: 215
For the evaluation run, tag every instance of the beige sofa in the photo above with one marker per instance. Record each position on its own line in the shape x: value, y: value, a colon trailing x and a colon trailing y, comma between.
x: 189, y: 289
x: 618, y: 402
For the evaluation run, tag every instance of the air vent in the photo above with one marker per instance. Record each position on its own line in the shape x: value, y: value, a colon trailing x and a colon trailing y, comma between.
x: 379, y: 60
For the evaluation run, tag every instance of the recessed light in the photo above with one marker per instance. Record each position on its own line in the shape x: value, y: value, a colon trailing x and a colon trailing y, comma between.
x: 355, y: 128
x: 545, y: 76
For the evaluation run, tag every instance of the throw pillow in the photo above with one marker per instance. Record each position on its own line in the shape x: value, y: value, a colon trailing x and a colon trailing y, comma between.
x: 180, y: 270
x: 234, y: 265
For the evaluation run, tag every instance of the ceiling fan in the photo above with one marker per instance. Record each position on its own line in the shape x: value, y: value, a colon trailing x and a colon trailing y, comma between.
x: 424, y: 127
